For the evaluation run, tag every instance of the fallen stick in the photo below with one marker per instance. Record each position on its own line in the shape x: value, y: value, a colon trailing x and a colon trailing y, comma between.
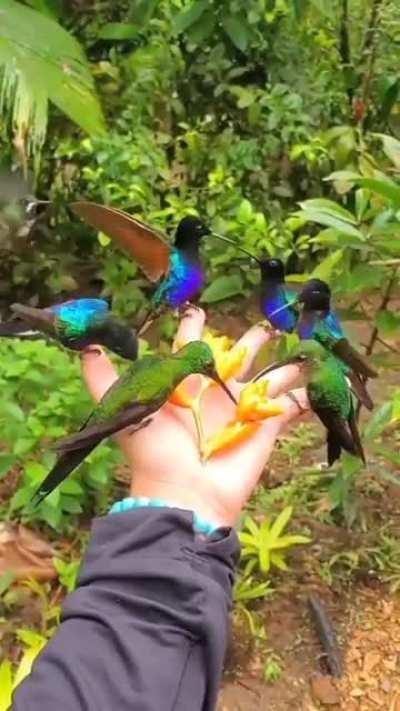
x: 327, y: 636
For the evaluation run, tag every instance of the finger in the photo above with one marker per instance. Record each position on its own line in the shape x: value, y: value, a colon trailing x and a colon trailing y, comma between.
x: 98, y: 372
x: 281, y: 379
x: 190, y: 327
x: 292, y: 407
x: 253, y: 340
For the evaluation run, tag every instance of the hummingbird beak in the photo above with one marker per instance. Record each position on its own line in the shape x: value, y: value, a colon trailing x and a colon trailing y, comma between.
x: 214, y: 375
x: 285, y: 307
x: 275, y: 366
x: 232, y: 242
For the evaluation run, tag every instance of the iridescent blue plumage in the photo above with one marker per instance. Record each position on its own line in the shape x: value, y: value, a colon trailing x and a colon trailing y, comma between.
x: 277, y: 302
x: 81, y: 313
x: 184, y: 281
x: 320, y: 326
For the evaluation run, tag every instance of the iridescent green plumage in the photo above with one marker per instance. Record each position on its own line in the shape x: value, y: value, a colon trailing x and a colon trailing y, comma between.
x: 329, y: 395
x: 133, y: 398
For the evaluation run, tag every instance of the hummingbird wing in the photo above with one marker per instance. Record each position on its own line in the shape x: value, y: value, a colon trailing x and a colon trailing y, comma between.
x: 41, y: 319
x: 360, y: 390
x: 339, y: 435
x: 133, y: 415
x: 143, y: 243
x: 356, y: 435
x: 353, y: 359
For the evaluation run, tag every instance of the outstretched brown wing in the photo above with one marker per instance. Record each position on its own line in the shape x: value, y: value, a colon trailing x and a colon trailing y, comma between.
x: 142, y: 242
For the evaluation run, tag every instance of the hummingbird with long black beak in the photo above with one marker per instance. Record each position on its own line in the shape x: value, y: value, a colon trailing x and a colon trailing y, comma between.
x: 318, y: 321
x: 130, y: 402
x: 329, y: 395
x: 76, y: 324
x: 177, y: 269
x: 277, y: 301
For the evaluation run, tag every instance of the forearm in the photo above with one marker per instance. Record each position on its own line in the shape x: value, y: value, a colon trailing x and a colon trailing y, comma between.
x: 146, y: 628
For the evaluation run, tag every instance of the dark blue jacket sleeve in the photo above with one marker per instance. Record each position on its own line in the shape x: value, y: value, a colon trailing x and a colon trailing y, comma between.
x: 146, y: 628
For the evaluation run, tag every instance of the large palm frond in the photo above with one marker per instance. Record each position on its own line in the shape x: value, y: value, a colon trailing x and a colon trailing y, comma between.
x: 41, y: 61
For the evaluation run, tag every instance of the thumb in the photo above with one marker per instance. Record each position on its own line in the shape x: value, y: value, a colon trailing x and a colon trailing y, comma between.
x: 98, y: 372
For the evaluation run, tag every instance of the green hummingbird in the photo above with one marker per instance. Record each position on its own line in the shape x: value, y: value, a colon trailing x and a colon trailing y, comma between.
x: 131, y: 400
x: 329, y: 395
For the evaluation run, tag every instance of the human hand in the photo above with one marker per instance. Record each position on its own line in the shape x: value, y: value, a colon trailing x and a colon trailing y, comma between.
x: 164, y: 456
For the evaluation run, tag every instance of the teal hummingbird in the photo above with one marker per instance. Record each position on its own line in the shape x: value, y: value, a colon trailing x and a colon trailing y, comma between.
x: 177, y: 270
x: 76, y: 324
x: 130, y: 402
x: 329, y: 395
x: 320, y: 322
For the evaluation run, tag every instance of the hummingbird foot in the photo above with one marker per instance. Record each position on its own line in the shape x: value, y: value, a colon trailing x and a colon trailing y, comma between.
x: 294, y: 399
x: 185, y: 310
x: 90, y: 350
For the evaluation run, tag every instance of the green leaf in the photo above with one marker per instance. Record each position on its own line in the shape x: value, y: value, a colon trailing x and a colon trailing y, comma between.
x: 6, y: 580
x: 281, y: 522
x: 378, y: 422
x: 391, y: 146
x: 6, y: 462
x: 388, y: 322
x: 326, y: 267
x: 118, y: 31
x: 187, y: 18
x: 386, y: 188
x: 222, y: 287
x: 342, y: 227
x: 237, y: 31
x: 330, y: 208
x: 41, y: 61
x: 6, y: 685
x: 203, y: 28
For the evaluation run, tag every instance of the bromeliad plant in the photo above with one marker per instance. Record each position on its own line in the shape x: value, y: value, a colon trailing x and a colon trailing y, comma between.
x: 265, y: 545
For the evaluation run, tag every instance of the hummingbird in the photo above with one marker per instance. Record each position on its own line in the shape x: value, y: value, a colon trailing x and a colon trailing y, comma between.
x: 278, y: 303
x: 177, y: 270
x: 329, y: 395
x: 76, y: 324
x: 130, y: 401
x: 318, y: 321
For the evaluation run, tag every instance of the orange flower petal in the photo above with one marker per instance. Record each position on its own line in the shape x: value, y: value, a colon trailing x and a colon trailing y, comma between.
x: 229, y: 437
x: 255, y: 405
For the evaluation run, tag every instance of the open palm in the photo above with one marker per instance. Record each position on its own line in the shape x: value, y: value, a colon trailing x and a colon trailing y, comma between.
x: 164, y: 456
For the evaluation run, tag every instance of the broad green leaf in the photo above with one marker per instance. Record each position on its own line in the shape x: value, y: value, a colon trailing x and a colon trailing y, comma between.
x: 6, y: 462
x: 326, y: 267
x: 378, y: 422
x: 222, y: 287
x: 118, y: 31
x: 343, y: 176
x: 386, y: 188
x: 41, y: 61
x: 203, y: 28
x: 237, y: 31
x: 187, y: 18
x: 391, y: 145
x: 342, y: 227
x: 6, y: 685
x: 330, y: 208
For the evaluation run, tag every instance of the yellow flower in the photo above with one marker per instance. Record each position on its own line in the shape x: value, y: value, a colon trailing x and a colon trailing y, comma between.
x: 229, y: 437
x: 254, y: 403
x: 228, y: 360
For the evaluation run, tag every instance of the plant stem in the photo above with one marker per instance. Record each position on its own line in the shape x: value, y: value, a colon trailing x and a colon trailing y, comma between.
x: 368, y: 54
x: 387, y: 295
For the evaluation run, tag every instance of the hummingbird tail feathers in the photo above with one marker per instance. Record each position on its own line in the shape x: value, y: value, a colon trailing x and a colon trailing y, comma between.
x: 64, y: 465
x: 356, y: 437
x: 133, y: 417
x: 41, y: 319
x: 18, y: 329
